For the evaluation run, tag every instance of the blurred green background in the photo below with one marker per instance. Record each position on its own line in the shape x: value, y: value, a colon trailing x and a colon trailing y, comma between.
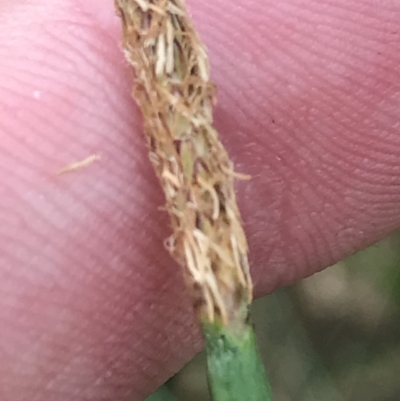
x: 332, y: 337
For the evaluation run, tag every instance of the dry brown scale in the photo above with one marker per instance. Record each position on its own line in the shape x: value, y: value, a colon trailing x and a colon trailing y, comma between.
x: 176, y: 96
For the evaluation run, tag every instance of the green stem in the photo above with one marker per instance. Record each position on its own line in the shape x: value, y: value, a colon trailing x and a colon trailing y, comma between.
x: 235, y: 369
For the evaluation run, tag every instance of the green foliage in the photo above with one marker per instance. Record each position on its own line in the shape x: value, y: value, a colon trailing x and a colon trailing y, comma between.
x: 162, y: 394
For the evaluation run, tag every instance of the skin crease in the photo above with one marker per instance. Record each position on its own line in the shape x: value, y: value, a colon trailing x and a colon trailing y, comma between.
x: 91, y: 306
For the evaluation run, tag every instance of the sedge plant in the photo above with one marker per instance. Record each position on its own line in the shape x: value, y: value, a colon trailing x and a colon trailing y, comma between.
x: 176, y: 98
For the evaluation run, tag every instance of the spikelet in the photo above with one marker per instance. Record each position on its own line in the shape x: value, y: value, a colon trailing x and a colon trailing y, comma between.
x: 175, y: 94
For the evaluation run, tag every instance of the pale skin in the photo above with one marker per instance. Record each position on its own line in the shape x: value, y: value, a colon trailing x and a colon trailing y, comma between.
x: 91, y: 306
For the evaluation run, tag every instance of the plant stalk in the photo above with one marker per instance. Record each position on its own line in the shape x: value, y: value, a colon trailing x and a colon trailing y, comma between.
x: 176, y: 97
x: 236, y: 371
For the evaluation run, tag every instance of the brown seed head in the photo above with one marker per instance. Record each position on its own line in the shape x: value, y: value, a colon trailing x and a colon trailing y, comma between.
x: 176, y: 96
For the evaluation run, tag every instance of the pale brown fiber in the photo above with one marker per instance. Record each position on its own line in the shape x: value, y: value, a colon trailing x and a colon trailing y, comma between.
x: 176, y: 96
